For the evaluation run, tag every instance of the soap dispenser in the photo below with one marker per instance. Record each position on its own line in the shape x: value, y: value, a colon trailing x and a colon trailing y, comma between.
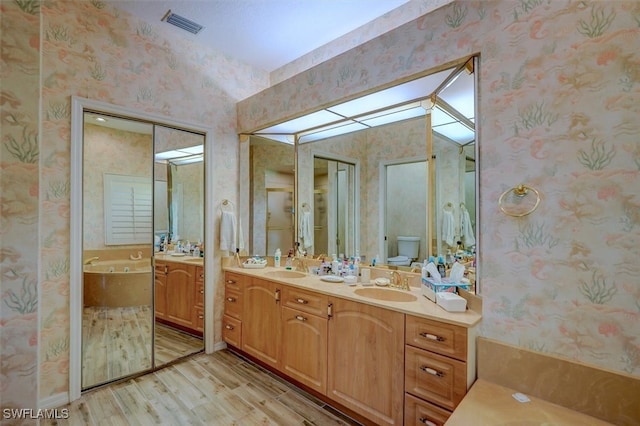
x: 276, y: 258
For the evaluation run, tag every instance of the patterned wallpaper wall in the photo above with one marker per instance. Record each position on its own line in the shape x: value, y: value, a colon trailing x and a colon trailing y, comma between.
x: 558, y: 107
x: 92, y: 50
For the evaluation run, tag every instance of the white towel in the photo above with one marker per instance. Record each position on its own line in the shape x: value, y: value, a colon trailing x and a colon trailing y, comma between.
x: 448, y: 227
x: 240, y: 235
x: 228, y: 231
x: 466, y: 229
x: 306, y: 230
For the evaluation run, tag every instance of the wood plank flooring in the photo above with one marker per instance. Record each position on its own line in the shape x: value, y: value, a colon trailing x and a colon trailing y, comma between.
x: 116, y: 342
x: 216, y: 389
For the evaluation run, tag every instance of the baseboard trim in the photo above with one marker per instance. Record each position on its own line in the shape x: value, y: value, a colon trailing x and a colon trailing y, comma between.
x: 219, y: 346
x: 54, y: 401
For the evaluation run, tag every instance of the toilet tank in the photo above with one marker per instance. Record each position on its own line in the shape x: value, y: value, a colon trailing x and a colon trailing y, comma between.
x: 409, y: 246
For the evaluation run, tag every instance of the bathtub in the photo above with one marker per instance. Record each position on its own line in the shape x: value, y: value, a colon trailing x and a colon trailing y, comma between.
x: 118, y: 283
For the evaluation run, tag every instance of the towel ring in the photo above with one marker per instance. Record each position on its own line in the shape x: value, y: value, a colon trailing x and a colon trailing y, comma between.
x: 519, y: 191
x: 226, y: 204
x: 306, y: 208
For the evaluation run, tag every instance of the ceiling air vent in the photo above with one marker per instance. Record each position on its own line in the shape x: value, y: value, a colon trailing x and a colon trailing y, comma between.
x: 181, y: 22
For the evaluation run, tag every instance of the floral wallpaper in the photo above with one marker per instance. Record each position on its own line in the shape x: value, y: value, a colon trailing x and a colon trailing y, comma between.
x: 558, y: 107
x: 89, y: 49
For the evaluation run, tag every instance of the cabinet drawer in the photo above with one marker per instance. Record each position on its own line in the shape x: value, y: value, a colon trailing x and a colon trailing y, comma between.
x: 233, y: 281
x: 233, y: 303
x: 419, y: 412
x: 160, y: 267
x: 232, y: 331
x: 434, y: 377
x: 445, y: 339
x: 305, y: 301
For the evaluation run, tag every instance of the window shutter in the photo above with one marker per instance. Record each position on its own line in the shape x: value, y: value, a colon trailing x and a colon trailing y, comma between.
x: 128, y: 209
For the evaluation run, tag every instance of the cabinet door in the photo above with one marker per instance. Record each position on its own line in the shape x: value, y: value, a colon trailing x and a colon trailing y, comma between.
x: 366, y: 360
x: 160, y: 290
x: 304, y: 348
x: 181, y: 294
x: 261, y: 321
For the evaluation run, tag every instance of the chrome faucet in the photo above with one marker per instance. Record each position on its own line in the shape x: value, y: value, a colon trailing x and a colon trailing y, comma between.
x: 90, y: 260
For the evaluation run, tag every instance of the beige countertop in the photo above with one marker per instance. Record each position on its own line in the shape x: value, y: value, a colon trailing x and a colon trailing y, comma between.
x: 190, y: 260
x: 421, y: 307
x: 487, y: 403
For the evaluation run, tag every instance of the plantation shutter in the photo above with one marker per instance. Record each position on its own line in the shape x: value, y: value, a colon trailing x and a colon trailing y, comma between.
x: 128, y: 209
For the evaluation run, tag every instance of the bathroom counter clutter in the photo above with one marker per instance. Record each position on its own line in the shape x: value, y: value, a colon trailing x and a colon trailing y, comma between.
x: 419, y: 306
x: 487, y: 403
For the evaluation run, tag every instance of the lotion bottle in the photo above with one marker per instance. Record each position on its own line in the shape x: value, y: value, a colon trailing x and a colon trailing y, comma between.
x: 276, y: 258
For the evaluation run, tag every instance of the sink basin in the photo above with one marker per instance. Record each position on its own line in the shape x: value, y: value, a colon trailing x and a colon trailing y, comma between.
x: 384, y: 294
x: 285, y: 274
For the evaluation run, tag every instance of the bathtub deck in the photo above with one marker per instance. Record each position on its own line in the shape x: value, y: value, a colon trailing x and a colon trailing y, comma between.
x: 116, y: 342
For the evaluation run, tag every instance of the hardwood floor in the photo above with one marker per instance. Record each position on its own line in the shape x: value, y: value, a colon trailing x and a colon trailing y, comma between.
x: 116, y: 342
x: 216, y: 389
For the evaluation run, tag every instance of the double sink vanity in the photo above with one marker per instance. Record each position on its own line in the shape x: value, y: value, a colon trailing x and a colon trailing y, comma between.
x: 383, y: 355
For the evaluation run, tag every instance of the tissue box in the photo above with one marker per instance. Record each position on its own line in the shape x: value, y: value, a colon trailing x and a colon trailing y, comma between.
x: 430, y: 287
x: 451, y: 302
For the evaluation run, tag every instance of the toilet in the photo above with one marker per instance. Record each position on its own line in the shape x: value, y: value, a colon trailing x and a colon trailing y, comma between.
x: 408, y: 248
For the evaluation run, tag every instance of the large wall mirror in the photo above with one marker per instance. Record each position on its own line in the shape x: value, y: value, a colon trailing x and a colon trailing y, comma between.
x: 136, y: 182
x: 411, y: 149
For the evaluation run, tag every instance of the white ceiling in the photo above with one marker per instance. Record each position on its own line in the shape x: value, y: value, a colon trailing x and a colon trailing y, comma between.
x: 265, y: 33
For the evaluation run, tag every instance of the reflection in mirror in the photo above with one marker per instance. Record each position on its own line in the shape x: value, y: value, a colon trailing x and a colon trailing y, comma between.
x: 271, y: 196
x: 330, y: 227
x: 454, y: 122
x: 178, y: 236
x: 378, y: 132
x: 117, y: 316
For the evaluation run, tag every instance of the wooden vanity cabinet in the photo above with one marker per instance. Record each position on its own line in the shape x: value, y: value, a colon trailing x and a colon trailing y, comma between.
x: 160, y: 289
x: 261, y: 324
x: 437, y: 374
x: 304, y: 337
x: 366, y: 360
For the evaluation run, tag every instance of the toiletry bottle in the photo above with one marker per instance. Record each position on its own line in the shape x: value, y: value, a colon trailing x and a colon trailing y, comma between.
x: 276, y: 258
x: 289, y: 263
x: 335, y: 266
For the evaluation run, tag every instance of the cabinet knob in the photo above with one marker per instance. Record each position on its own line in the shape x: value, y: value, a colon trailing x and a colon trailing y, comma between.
x: 432, y: 371
x: 200, y: 316
x: 202, y: 276
x: 302, y: 301
x: 300, y: 318
x: 427, y: 421
x: 230, y: 282
x: 229, y: 327
x: 231, y: 299
x: 432, y: 337
x: 201, y: 291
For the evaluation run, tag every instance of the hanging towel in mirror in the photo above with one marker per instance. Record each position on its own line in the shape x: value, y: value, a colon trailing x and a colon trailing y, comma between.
x: 448, y: 227
x: 306, y: 230
x: 228, y: 231
x: 466, y: 229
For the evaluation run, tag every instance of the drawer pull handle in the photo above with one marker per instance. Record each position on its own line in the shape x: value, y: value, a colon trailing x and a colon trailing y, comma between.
x: 229, y: 327
x: 300, y: 318
x: 432, y: 337
x: 201, y: 291
x: 202, y: 276
x: 427, y: 421
x: 200, y: 316
x: 302, y: 301
x: 231, y: 282
x: 277, y: 295
x: 432, y: 371
x: 231, y: 299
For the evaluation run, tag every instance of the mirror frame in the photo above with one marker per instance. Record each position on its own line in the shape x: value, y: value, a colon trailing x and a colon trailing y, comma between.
x: 78, y: 106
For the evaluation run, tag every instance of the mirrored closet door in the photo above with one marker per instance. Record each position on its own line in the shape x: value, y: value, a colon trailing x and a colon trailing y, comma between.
x: 142, y: 233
